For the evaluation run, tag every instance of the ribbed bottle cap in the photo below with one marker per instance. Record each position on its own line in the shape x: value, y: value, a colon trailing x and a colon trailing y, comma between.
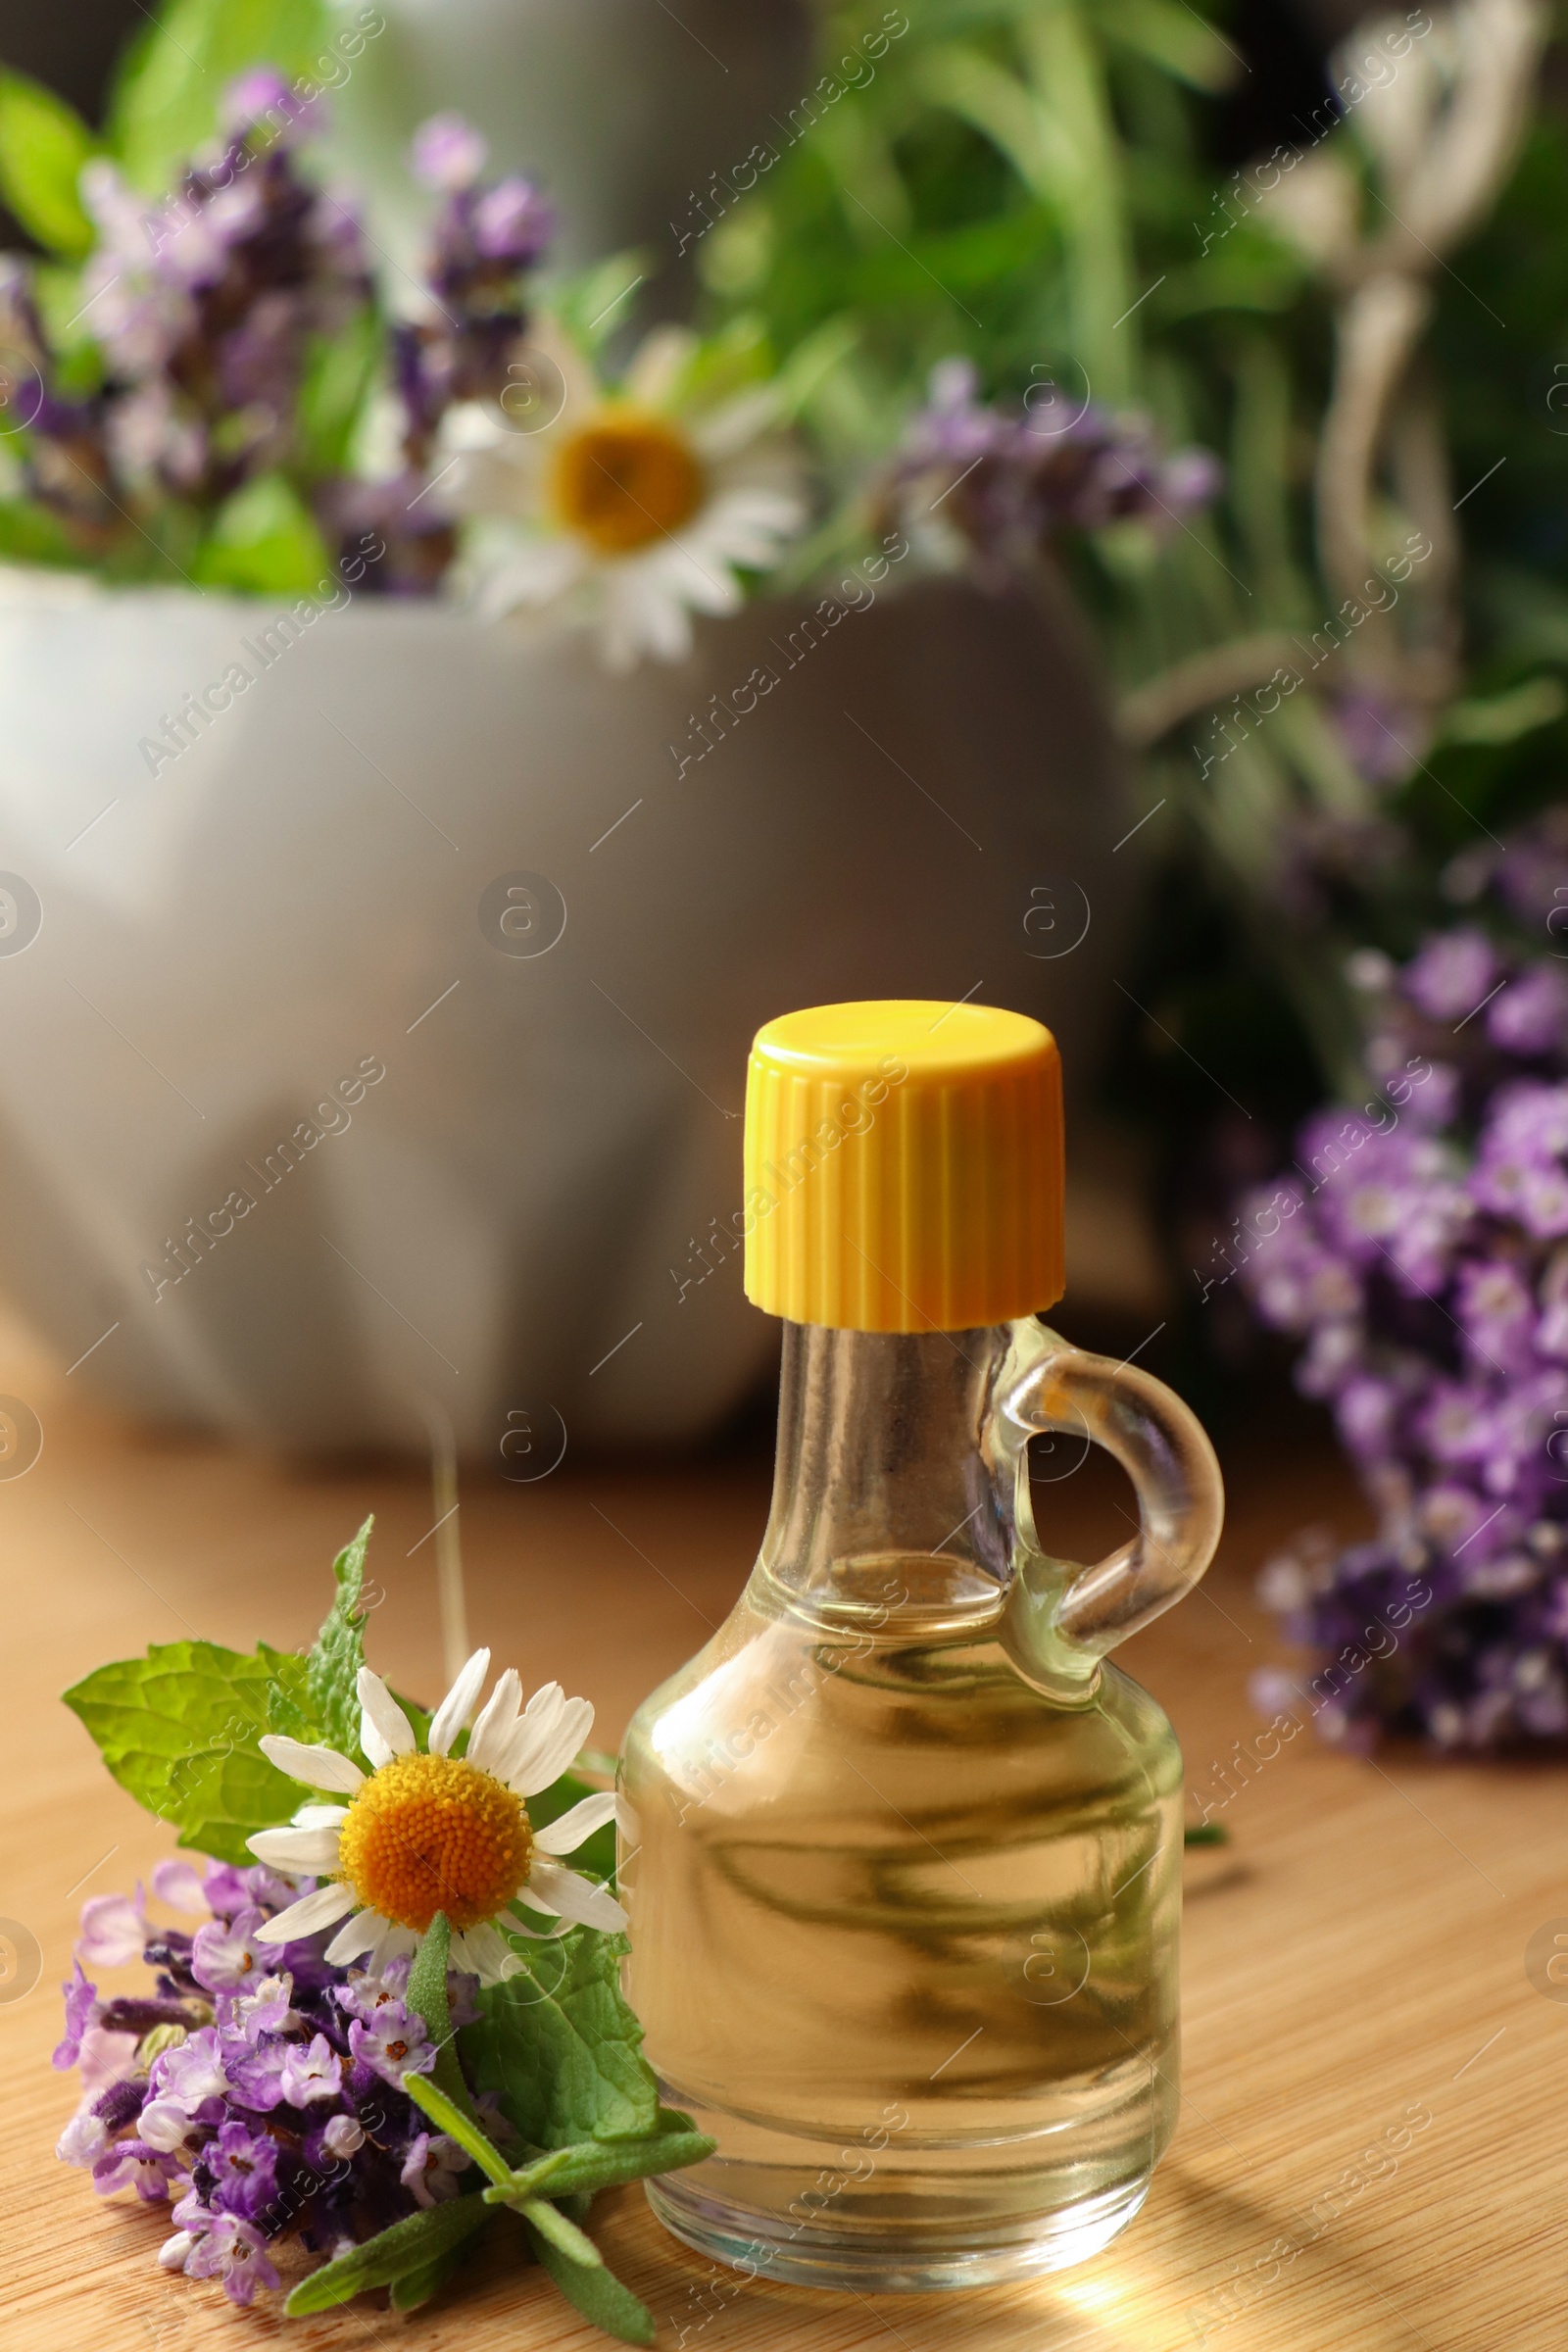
x: 904, y: 1166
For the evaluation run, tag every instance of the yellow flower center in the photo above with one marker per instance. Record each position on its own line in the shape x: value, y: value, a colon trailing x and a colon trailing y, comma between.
x: 624, y: 480
x: 429, y: 1833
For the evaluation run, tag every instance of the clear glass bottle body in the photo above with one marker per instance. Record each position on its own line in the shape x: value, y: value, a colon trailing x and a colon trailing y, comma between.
x: 905, y: 1923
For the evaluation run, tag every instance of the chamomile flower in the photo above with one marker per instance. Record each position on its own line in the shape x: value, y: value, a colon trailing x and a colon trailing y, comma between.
x: 633, y: 507
x: 426, y: 1831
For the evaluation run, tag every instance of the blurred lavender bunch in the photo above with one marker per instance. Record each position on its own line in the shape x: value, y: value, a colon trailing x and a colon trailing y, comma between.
x: 200, y: 415
x: 257, y: 2089
x: 467, y: 347
x: 992, y: 489
x: 1421, y: 1251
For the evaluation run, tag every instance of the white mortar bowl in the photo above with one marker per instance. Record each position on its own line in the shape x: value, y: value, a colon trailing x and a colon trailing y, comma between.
x: 925, y: 805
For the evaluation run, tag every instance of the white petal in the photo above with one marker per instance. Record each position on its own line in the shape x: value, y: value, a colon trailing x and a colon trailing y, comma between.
x: 385, y: 1731
x: 487, y: 1953
x: 565, y: 1833
x: 320, y: 1817
x: 518, y: 1927
x: 317, y: 1767
x: 494, y: 1728
x: 734, y: 424
x: 458, y: 1703
x: 575, y: 1898
x: 304, y: 1853
x: 555, y: 1751
x: 310, y: 1913
x: 393, y: 1943
x: 533, y: 572
x: 541, y: 1715
x: 657, y: 365
x: 354, y: 1937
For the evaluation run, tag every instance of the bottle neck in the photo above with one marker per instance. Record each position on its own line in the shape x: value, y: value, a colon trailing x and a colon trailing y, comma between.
x: 888, y: 1489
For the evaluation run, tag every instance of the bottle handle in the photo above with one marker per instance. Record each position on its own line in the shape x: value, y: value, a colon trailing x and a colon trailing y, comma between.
x: 1061, y: 1617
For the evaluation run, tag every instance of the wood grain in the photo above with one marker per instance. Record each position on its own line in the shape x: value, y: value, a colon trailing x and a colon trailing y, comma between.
x: 1358, y: 1950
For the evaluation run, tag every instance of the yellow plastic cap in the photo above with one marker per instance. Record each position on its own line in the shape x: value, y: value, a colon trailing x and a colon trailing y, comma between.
x: 903, y: 1167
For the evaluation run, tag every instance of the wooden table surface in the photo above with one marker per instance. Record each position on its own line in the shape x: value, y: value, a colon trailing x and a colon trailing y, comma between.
x: 1357, y: 1953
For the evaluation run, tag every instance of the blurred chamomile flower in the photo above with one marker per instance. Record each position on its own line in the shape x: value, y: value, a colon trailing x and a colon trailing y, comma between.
x: 636, y: 504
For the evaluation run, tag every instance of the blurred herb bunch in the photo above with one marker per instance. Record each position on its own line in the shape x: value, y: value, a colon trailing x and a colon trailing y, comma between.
x: 978, y: 286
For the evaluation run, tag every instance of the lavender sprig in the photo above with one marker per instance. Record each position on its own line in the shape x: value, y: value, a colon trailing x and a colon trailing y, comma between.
x: 1009, y: 482
x: 1419, y: 1249
x: 261, y: 2092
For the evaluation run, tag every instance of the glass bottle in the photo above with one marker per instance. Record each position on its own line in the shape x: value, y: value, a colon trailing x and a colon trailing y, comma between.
x: 902, y: 1854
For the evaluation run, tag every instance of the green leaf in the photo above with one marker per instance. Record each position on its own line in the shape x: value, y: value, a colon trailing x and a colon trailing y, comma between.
x: 339, y: 371
x: 166, y: 97
x: 564, y: 2237
x: 418, y: 2287
x: 428, y: 1995
x: 178, y: 1728
x: 450, y: 2116
x: 562, y: 2047
x: 597, y: 2293
x: 264, y: 542
x: 331, y: 1671
x: 409, y: 2249
x: 43, y: 146
x: 605, y: 2164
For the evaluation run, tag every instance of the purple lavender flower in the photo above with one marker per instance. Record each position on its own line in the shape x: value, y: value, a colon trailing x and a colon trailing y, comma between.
x: 394, y: 2045
x: 1450, y: 976
x: 164, y: 2125
x: 243, y: 2165
x: 266, y: 2008
x: 83, y: 2139
x: 1008, y: 483
x: 131, y: 2164
x: 433, y: 2166
x: 82, y: 2011
x: 1423, y: 1264
x: 114, y: 1929
x: 285, y: 2113
x: 194, y: 2073
x: 224, y: 1959
x: 232, y: 2250
x: 311, y: 2075
x: 449, y: 154
x: 1530, y: 1014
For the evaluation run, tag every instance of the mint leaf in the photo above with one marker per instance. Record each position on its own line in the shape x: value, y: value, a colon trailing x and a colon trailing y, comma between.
x: 409, y: 2249
x: 562, y: 2047
x: 597, y: 2293
x: 178, y: 1728
x: 43, y: 146
x: 331, y: 1671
